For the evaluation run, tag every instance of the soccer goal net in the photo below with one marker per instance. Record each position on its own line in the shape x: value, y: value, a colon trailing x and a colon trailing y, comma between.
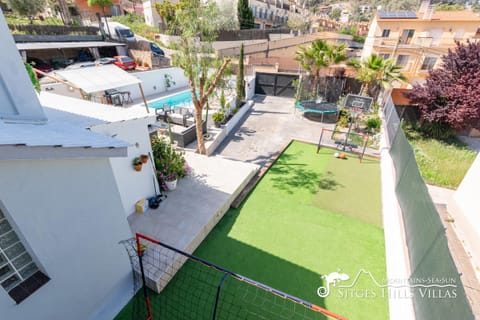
x: 172, y: 284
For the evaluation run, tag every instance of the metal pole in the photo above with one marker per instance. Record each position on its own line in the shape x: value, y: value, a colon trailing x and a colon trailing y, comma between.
x: 348, y: 132
x: 320, y: 140
x: 145, y: 292
x: 219, y: 288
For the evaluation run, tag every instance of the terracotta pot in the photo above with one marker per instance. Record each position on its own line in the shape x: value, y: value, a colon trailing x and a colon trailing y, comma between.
x: 144, y: 158
x: 137, y: 167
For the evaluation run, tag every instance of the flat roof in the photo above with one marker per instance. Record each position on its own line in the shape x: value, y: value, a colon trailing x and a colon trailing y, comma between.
x: 66, y: 45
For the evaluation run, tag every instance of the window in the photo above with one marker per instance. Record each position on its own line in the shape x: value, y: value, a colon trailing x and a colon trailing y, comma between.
x: 428, y: 63
x: 384, y: 55
x: 385, y: 33
x: 407, y: 36
x: 402, y: 60
x: 19, y: 275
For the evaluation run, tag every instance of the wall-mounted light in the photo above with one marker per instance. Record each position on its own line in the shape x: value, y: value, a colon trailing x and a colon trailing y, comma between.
x: 154, y: 87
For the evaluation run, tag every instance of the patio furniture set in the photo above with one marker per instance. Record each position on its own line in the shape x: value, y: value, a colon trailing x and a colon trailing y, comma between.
x: 182, y: 123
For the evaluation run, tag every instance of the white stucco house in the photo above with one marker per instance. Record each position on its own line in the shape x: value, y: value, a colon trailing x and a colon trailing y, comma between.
x: 66, y: 187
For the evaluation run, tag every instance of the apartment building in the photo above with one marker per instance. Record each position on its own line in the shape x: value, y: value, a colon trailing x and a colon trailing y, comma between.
x: 417, y: 40
x: 273, y: 13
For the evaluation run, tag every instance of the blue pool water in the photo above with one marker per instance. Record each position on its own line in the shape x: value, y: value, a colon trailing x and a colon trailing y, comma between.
x: 183, y: 98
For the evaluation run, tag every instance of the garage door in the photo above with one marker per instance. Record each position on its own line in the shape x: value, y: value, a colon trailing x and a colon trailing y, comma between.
x: 274, y: 84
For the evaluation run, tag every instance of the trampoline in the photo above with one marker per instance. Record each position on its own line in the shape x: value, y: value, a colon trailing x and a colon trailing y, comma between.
x: 313, y: 106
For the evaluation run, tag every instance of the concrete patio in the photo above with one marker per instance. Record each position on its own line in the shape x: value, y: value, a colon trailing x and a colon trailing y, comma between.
x: 191, y: 211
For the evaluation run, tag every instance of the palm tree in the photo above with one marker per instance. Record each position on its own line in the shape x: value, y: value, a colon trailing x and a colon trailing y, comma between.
x: 318, y: 56
x: 376, y: 70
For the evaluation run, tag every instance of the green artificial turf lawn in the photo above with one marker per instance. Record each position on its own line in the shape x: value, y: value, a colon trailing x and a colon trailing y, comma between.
x: 310, y: 215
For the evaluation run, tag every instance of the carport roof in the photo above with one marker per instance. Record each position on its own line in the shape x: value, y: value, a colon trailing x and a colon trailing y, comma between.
x: 66, y: 45
x: 98, y: 78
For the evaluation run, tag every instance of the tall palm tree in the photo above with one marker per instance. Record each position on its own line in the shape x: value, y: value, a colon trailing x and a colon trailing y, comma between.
x: 391, y: 73
x: 376, y: 70
x: 318, y: 56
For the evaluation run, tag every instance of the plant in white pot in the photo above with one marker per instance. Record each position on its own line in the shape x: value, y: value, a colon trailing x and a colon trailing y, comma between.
x: 170, y: 163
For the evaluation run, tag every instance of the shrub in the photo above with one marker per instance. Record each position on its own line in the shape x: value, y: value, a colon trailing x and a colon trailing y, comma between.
x: 343, y: 118
x: 373, y: 124
x: 218, y: 116
x: 170, y: 163
x: 436, y: 130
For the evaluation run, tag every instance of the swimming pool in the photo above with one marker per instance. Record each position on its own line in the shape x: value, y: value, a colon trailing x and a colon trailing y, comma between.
x: 183, y: 98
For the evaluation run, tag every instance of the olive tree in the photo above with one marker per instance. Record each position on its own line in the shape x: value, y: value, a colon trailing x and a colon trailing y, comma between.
x: 197, y: 25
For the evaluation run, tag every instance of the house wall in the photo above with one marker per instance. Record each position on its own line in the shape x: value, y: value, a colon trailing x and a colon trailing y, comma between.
x: 132, y: 185
x: 249, y: 87
x: 153, y: 82
x: 150, y: 13
x: 70, y: 214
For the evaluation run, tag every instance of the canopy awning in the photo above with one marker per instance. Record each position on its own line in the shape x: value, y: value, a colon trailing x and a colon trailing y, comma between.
x: 98, y: 78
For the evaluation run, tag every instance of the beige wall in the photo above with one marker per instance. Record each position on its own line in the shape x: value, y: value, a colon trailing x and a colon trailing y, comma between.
x: 285, y: 48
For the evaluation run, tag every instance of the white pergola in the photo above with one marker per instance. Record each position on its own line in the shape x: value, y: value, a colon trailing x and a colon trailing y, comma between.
x: 100, y: 78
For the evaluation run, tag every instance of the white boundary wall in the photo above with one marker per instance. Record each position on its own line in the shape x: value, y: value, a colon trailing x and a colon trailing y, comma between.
x: 465, y: 209
x: 153, y: 82
x: 396, y: 254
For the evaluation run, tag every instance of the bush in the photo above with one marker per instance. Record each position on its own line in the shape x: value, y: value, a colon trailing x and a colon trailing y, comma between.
x: 170, y: 164
x: 436, y: 130
x: 218, y: 116
x: 373, y: 124
x: 343, y: 118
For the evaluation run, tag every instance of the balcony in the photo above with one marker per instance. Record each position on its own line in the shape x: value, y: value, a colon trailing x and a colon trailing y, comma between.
x: 418, y: 42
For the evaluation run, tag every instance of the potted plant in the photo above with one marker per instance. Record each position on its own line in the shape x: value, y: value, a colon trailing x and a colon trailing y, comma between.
x: 137, y: 164
x: 218, y: 117
x: 170, y: 163
x: 144, y: 158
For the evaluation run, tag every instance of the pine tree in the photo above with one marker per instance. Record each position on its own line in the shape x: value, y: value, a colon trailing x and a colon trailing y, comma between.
x: 240, y: 80
x: 245, y: 15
